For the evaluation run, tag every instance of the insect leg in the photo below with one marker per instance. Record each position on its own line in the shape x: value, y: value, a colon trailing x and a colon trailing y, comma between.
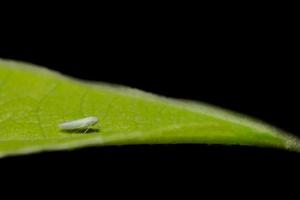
x: 88, y: 128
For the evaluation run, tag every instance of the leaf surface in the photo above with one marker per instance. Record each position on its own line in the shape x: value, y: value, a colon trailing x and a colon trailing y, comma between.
x: 35, y: 100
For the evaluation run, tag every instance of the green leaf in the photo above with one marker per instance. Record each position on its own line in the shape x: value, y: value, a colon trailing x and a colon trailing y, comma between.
x: 34, y: 101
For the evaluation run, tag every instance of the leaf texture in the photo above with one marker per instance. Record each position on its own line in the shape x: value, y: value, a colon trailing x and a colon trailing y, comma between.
x: 35, y: 100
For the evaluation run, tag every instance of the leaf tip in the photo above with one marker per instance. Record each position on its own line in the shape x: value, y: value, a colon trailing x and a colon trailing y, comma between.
x: 293, y: 143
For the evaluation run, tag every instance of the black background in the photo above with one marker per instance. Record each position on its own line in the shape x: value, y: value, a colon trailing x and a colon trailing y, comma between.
x: 245, y: 61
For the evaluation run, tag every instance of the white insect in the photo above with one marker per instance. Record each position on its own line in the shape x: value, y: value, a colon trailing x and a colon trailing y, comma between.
x: 79, y: 124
